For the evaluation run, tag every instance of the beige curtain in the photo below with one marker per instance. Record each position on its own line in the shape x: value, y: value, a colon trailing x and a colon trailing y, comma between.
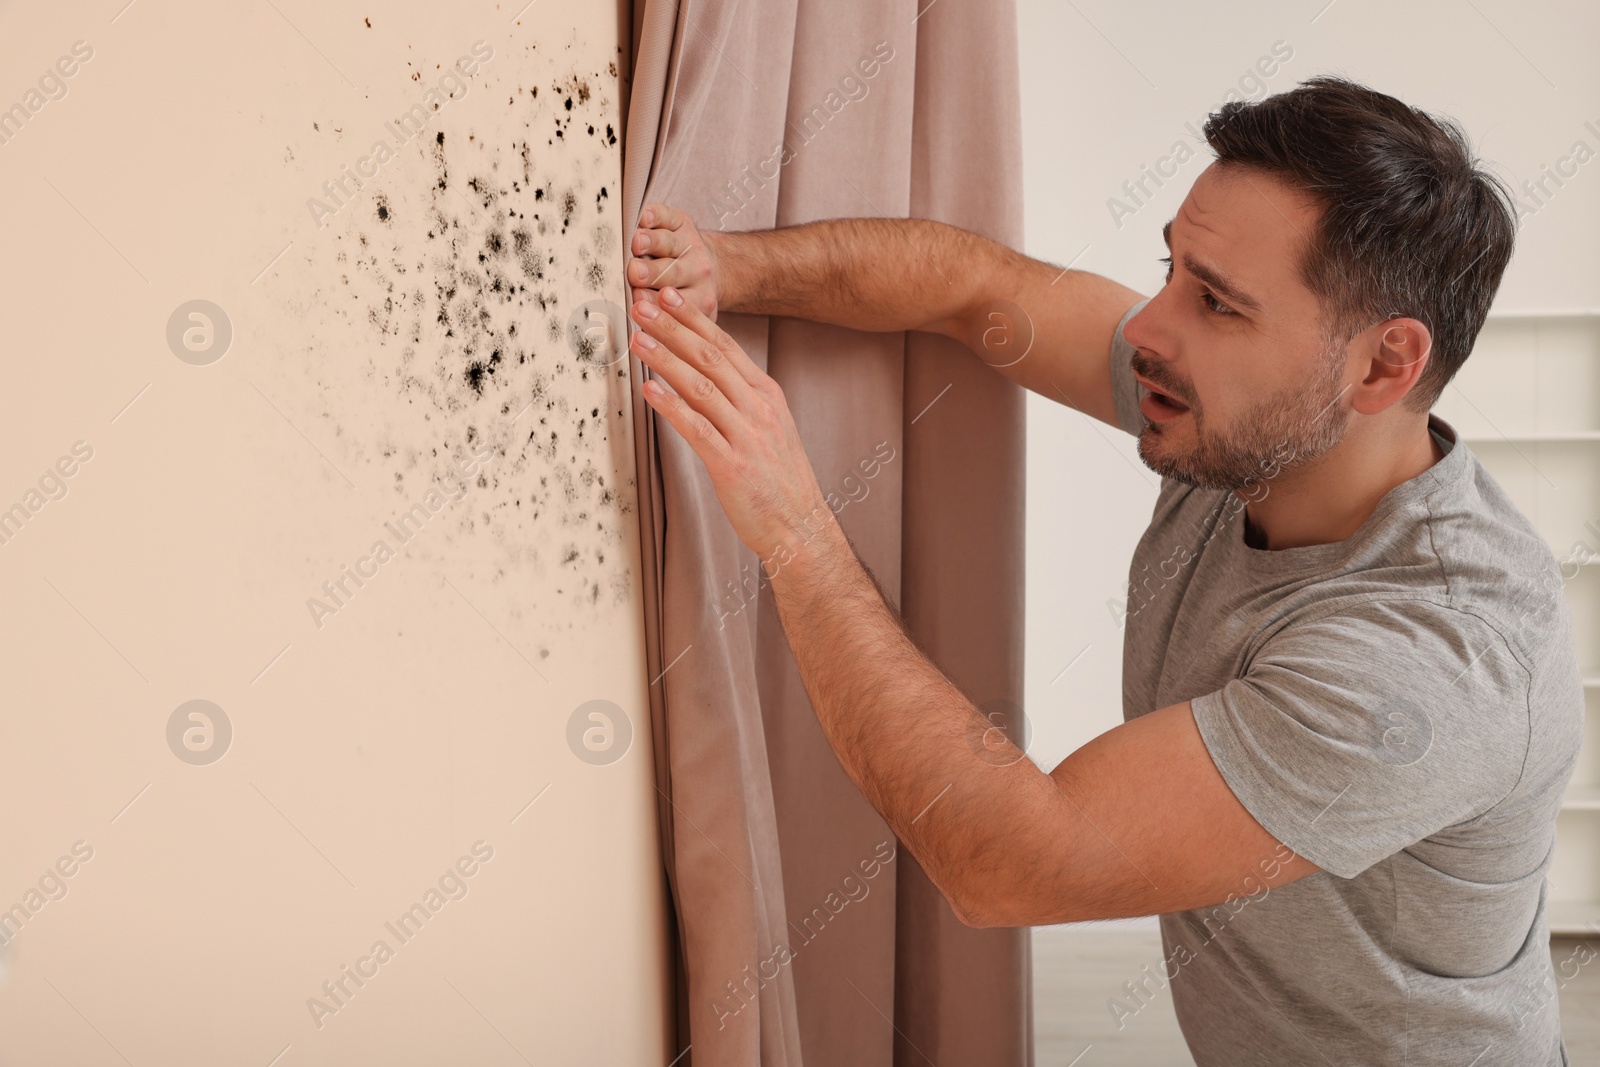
x: 788, y: 952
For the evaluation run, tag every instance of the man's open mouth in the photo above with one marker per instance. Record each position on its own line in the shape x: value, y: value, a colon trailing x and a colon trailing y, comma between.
x: 1159, y: 406
x: 1167, y: 401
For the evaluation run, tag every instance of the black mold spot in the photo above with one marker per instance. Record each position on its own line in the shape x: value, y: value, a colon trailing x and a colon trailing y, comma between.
x: 479, y: 369
x: 438, y: 155
x: 532, y: 262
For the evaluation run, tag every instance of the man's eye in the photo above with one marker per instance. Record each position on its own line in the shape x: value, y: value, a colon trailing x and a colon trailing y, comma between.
x: 1213, y: 305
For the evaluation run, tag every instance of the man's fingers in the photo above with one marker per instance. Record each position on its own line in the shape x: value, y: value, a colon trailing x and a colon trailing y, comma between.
x: 649, y: 272
x: 673, y: 303
x: 692, y: 357
x: 701, y: 392
x: 662, y: 244
x: 663, y: 216
x: 703, y: 437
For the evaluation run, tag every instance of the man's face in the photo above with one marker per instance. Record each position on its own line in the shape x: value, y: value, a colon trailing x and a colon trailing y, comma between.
x: 1233, y: 340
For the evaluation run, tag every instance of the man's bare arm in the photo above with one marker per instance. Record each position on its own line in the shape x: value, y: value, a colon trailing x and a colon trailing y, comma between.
x: 902, y: 274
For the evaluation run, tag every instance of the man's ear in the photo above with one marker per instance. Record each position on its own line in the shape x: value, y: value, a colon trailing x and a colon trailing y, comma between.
x: 1396, y: 353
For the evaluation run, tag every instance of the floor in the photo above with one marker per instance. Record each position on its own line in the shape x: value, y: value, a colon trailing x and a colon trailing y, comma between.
x: 1077, y: 970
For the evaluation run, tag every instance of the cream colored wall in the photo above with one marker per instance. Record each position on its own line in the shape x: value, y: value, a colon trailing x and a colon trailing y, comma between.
x: 425, y: 729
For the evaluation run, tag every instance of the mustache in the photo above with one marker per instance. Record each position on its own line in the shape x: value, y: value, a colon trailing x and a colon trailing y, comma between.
x: 1155, y: 372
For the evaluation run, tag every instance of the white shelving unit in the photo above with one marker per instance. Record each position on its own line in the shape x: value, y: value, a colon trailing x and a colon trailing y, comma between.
x: 1528, y: 403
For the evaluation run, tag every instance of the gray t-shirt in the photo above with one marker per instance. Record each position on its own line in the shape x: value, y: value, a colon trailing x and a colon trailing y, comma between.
x: 1403, y: 708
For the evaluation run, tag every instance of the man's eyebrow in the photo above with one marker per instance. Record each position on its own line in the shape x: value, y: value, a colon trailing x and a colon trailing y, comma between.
x: 1213, y: 277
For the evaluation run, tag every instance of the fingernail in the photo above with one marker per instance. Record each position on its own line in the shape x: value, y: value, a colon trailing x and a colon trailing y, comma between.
x: 646, y: 310
x: 670, y: 297
x: 644, y: 340
x: 646, y: 218
x: 641, y: 241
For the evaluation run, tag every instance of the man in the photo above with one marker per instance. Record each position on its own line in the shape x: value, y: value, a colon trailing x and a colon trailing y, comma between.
x: 1351, y: 693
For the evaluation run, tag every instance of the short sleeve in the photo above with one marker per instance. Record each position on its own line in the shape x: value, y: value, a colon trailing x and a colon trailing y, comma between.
x: 1124, y: 387
x: 1357, y: 734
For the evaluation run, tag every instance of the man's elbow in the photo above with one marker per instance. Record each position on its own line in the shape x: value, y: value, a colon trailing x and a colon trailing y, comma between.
x: 985, y: 923
x: 994, y: 902
x: 1010, y: 882
x: 990, y: 913
x: 984, y: 907
x: 978, y: 920
x: 970, y: 902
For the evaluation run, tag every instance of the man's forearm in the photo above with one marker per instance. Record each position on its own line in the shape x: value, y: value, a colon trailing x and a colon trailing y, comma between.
x: 950, y: 784
x: 867, y: 274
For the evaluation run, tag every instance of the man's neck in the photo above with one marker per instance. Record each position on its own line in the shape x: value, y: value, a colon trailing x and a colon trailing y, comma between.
x: 1328, y: 500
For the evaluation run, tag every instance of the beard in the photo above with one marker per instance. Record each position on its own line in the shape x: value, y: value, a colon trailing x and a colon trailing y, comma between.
x: 1288, y: 429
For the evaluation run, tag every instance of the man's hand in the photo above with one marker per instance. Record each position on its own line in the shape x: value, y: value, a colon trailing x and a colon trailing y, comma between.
x: 734, y: 416
x: 669, y: 249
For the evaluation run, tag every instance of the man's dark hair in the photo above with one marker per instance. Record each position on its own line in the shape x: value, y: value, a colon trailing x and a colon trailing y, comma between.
x: 1410, y: 226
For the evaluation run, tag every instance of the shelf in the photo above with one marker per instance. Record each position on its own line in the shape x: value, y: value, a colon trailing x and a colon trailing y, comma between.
x: 1533, y: 379
x: 1570, y: 917
x: 1592, y: 682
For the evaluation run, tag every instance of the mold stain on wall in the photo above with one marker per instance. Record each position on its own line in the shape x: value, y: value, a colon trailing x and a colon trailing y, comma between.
x: 428, y: 322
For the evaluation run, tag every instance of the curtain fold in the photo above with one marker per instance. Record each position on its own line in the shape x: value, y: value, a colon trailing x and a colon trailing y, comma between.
x: 753, y: 115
